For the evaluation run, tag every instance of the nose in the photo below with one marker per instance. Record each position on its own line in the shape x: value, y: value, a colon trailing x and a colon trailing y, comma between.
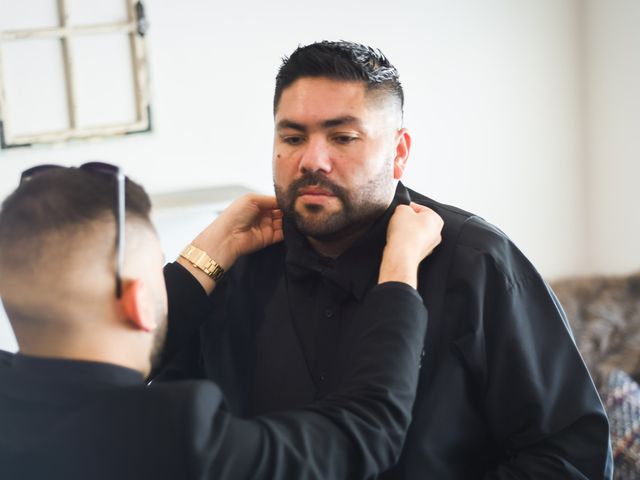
x: 316, y: 157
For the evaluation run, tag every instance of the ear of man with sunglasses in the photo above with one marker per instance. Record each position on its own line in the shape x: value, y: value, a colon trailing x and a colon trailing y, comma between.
x: 82, y: 282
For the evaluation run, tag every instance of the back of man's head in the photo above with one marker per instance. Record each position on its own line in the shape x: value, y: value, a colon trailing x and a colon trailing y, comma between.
x: 343, y: 61
x: 58, y: 250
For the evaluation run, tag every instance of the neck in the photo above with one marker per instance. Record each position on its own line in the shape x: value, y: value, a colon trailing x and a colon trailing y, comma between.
x: 333, y: 248
x: 335, y: 245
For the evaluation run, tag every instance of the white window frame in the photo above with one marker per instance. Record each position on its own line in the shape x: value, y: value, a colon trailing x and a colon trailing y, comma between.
x: 135, y: 26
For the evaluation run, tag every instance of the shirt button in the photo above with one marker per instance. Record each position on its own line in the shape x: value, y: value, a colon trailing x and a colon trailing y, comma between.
x: 328, y: 313
x: 322, y: 377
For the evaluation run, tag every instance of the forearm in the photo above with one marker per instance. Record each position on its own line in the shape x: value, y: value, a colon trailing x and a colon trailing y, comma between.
x: 373, y: 406
x: 220, y: 251
x: 398, y: 266
x: 248, y: 224
x: 189, y: 307
x: 356, y: 432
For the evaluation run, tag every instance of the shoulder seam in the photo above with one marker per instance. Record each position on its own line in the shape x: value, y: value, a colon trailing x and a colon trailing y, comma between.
x: 512, y: 284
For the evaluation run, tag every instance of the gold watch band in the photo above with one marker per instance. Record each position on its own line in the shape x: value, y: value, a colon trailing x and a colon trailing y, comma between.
x: 204, y: 262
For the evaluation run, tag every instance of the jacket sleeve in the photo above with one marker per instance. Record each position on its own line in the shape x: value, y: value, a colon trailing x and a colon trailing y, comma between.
x: 189, y: 307
x: 357, y: 432
x: 538, y: 398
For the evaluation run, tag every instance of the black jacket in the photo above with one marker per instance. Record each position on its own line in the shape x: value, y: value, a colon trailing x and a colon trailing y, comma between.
x: 65, y: 419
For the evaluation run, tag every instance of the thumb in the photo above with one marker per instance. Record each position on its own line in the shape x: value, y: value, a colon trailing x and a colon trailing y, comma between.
x: 264, y: 202
x: 418, y: 208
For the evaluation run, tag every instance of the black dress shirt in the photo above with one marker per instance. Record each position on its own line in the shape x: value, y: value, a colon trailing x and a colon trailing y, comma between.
x: 503, y: 392
x: 72, y: 420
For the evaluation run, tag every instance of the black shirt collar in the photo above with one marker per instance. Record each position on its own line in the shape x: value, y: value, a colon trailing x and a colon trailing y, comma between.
x: 355, y: 269
x: 75, y: 371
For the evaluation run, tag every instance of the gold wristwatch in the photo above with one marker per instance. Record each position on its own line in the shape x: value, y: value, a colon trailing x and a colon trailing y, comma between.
x: 204, y: 262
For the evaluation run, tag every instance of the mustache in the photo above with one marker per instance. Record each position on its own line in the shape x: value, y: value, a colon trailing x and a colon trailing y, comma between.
x: 314, y: 179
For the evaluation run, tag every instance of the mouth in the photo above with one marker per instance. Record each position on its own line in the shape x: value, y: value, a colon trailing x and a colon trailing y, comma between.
x: 315, y: 195
x: 313, y: 191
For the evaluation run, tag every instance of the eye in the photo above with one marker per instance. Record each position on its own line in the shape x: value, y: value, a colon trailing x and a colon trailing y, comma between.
x: 344, y: 139
x: 292, y: 140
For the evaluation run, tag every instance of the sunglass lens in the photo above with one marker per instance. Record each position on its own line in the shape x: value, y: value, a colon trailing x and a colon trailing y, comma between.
x: 100, y: 167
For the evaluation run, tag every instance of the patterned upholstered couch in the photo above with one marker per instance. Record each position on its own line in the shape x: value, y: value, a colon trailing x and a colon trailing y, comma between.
x: 604, y: 313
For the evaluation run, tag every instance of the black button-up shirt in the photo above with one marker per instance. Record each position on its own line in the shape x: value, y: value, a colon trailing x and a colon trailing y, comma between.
x: 315, y: 309
x: 503, y: 392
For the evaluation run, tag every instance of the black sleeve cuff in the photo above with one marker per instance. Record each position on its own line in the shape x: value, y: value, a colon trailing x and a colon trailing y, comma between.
x: 397, y: 287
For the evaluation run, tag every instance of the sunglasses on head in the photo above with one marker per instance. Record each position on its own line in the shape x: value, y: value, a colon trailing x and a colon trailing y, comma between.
x: 104, y: 169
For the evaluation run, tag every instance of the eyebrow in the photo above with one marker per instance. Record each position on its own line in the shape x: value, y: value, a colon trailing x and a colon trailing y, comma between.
x: 331, y: 123
x: 337, y: 122
x: 282, y: 124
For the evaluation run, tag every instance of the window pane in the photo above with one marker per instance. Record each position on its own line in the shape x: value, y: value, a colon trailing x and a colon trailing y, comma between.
x: 27, y: 14
x: 35, y: 90
x: 82, y: 12
x: 104, y: 79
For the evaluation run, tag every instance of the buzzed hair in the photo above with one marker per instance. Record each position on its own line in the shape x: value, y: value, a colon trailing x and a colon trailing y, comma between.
x: 345, y: 61
x: 60, y: 199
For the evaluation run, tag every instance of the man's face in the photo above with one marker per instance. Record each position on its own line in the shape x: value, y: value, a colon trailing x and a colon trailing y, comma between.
x: 338, y: 153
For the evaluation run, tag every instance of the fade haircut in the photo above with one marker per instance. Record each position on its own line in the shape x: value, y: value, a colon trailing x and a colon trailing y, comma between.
x: 59, y: 200
x: 344, y: 61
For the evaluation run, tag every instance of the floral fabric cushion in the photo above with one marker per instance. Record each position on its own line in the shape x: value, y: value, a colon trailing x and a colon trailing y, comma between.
x: 621, y: 397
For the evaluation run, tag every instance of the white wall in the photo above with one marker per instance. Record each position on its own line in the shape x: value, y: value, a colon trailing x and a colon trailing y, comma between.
x: 494, y: 101
x: 491, y: 102
x: 613, y: 133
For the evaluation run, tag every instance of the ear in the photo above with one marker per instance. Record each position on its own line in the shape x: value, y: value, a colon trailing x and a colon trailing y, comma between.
x: 403, y: 146
x: 136, y: 307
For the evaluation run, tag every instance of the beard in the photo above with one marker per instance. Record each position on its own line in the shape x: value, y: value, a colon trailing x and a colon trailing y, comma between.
x: 159, y: 338
x: 359, y: 207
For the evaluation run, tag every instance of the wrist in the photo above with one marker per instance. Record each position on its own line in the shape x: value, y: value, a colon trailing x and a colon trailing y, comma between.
x: 405, y: 257
x: 399, y: 266
x: 219, y: 251
x: 207, y: 283
x: 202, y: 266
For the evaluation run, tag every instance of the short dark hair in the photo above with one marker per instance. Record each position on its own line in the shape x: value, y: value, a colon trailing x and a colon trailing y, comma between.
x: 61, y: 198
x: 346, y: 61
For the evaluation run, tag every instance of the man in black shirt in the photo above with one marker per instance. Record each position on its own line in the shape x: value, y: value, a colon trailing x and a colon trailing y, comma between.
x: 73, y: 401
x: 503, y: 392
